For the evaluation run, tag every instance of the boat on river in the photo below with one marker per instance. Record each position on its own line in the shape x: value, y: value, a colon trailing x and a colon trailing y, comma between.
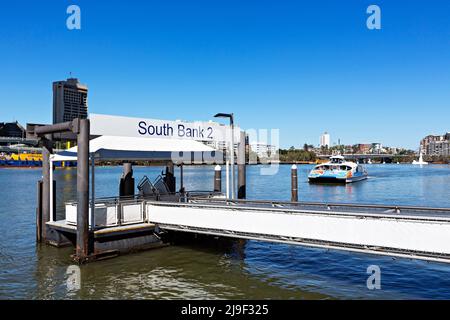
x: 420, y: 162
x: 338, y: 170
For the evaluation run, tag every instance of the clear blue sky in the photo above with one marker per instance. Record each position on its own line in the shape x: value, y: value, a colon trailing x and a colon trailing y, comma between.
x: 301, y: 66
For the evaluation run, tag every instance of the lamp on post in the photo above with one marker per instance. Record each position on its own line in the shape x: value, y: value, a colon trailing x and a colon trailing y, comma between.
x: 231, y: 117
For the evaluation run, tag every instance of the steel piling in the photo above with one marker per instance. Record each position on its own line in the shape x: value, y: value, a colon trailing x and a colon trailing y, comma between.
x: 294, y: 184
x: 82, y: 247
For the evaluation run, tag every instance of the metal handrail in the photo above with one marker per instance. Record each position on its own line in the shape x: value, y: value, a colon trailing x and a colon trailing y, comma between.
x: 208, y: 194
x: 326, y: 204
x: 208, y: 199
x: 150, y: 197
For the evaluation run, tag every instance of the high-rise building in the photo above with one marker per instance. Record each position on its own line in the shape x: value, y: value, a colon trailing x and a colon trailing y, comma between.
x: 363, y: 148
x: 377, y: 148
x: 433, y: 145
x: 447, y: 136
x: 325, y: 139
x: 263, y: 150
x: 69, y: 100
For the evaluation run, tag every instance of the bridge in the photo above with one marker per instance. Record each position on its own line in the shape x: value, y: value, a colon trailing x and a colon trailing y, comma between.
x: 365, y: 157
x: 16, y: 145
x: 17, y: 140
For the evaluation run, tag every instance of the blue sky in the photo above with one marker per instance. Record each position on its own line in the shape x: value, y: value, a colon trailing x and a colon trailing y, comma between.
x: 301, y: 66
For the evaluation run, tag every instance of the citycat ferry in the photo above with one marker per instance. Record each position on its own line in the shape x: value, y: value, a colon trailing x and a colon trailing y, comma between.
x: 337, y: 170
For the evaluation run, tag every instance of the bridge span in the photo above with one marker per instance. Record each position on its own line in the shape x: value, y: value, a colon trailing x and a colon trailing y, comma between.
x: 365, y: 157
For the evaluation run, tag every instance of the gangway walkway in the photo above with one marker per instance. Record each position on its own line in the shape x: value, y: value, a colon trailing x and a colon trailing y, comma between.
x: 404, y: 231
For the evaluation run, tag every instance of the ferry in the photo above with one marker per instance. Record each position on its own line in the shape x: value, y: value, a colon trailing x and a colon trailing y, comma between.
x: 28, y: 160
x: 338, y: 170
x: 21, y: 160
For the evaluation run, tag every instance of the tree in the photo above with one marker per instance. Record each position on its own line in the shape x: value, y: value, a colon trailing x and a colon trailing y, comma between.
x: 305, y: 147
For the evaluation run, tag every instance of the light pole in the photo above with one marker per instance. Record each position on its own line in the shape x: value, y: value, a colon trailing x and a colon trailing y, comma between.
x: 231, y: 117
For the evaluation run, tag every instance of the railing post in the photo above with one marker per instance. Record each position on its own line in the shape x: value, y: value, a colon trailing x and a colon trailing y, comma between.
x: 119, y: 212
x: 294, y: 184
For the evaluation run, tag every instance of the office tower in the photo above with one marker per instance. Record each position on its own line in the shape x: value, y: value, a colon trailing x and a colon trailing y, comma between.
x: 69, y: 100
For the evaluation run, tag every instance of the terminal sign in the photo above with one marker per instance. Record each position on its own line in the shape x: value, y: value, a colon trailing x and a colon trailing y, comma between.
x: 154, y: 128
x: 180, y: 130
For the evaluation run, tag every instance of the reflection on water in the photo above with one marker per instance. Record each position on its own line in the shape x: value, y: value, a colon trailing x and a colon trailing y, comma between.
x: 241, y: 269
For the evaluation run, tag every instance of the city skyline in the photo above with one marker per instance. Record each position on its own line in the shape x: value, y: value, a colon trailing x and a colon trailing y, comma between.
x: 306, y: 70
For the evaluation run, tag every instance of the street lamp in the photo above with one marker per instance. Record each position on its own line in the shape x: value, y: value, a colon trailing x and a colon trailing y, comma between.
x: 231, y: 117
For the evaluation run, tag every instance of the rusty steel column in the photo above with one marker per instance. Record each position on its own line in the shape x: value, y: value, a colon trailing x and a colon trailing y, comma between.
x: 169, y: 178
x: 45, y: 214
x: 182, y: 179
x: 294, y: 184
x: 242, y: 176
x: 217, y: 179
x: 39, y: 212
x: 126, y: 185
x: 43, y: 211
x: 82, y: 247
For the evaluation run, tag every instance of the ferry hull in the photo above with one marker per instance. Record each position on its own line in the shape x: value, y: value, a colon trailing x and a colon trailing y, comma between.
x: 327, y: 180
x: 32, y: 163
x: 337, y: 170
x: 335, y: 179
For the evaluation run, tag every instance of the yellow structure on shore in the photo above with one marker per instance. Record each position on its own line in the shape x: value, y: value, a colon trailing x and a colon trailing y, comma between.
x: 26, y: 157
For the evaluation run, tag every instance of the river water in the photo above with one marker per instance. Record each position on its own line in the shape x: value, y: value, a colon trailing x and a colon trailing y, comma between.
x: 240, y: 270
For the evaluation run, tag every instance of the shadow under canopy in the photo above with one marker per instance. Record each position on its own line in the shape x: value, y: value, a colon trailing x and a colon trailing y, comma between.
x: 178, y: 151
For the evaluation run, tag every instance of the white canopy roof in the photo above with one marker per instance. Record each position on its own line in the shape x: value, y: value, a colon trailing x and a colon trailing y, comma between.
x: 137, y: 148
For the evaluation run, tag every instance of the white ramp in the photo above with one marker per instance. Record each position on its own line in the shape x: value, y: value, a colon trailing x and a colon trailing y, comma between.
x: 422, y: 236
